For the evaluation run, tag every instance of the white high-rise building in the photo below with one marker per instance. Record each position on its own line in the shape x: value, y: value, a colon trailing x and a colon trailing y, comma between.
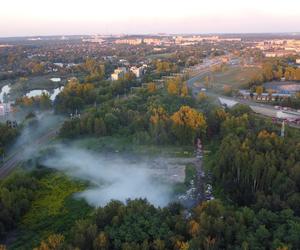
x: 138, y: 72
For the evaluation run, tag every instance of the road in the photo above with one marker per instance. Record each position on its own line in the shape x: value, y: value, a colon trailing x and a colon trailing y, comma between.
x: 200, y: 190
x: 259, y: 108
x: 14, y: 159
x: 201, y: 194
x: 196, y: 72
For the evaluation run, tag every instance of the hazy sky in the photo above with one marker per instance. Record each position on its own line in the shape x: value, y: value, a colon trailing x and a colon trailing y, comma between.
x: 49, y: 17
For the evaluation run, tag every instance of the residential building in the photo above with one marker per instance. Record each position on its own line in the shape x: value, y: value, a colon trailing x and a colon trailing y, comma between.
x: 118, y: 74
x: 137, y: 71
x: 290, y: 46
x: 279, y: 53
x: 153, y: 41
x: 60, y: 65
x: 136, y: 41
x: 233, y: 39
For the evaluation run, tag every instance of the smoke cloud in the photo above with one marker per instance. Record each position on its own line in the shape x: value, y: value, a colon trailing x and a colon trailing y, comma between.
x: 111, y: 177
x: 35, y: 130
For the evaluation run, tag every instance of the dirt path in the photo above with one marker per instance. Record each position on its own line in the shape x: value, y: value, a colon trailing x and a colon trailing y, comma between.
x: 197, y: 192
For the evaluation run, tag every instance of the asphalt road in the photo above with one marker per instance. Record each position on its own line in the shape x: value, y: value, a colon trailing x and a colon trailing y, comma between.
x: 259, y: 108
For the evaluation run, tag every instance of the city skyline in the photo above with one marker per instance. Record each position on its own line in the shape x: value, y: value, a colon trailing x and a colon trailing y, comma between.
x: 31, y: 18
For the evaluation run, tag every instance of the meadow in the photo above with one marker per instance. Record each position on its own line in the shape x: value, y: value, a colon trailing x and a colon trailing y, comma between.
x: 236, y: 77
x: 54, y: 209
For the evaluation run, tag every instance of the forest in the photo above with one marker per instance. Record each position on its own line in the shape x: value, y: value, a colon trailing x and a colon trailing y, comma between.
x: 255, y: 174
x: 7, y: 137
x: 257, y: 205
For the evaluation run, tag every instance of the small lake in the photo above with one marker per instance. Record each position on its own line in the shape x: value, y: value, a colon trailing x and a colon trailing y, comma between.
x: 38, y: 92
x: 5, y: 90
x: 291, y: 87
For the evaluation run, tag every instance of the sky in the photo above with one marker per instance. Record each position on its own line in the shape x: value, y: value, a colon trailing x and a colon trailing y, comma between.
x: 76, y: 17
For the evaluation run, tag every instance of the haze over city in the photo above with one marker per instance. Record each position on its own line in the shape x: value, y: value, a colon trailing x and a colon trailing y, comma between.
x: 32, y: 18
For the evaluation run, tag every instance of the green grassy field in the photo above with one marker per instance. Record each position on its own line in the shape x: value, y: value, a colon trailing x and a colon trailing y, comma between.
x: 54, y: 210
x: 125, y: 145
x: 190, y: 174
x: 236, y: 77
x: 162, y: 55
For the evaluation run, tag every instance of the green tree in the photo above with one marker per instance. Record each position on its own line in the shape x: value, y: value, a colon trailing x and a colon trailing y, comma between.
x: 187, y: 122
x: 99, y: 127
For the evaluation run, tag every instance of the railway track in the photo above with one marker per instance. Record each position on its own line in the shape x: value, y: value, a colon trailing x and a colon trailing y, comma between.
x: 14, y: 160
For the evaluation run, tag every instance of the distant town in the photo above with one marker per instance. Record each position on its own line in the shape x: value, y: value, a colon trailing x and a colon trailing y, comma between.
x: 140, y: 55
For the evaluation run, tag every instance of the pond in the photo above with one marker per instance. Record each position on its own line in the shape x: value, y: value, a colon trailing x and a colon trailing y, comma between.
x: 38, y: 92
x: 5, y: 91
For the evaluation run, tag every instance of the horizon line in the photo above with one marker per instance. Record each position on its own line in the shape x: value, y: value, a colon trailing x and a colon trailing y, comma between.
x: 158, y: 34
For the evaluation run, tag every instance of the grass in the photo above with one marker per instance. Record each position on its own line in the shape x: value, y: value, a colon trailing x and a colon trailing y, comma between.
x: 162, y: 55
x: 236, y: 77
x: 125, y: 145
x: 20, y: 87
x: 54, y: 210
x: 190, y: 174
x: 179, y: 188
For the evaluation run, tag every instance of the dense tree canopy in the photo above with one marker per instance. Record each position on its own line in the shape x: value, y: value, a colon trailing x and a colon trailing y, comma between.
x: 187, y: 123
x: 7, y: 136
x: 16, y: 194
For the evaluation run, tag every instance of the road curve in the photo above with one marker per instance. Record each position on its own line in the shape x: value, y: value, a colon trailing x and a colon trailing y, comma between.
x: 259, y: 108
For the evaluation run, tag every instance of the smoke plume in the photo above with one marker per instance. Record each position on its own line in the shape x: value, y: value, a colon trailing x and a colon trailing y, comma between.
x: 111, y: 177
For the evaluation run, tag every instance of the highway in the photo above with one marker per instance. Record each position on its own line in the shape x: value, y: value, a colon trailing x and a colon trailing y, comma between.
x: 259, y: 108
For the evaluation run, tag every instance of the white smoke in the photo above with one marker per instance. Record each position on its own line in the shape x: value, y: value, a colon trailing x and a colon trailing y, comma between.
x: 111, y: 177
x: 42, y: 124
